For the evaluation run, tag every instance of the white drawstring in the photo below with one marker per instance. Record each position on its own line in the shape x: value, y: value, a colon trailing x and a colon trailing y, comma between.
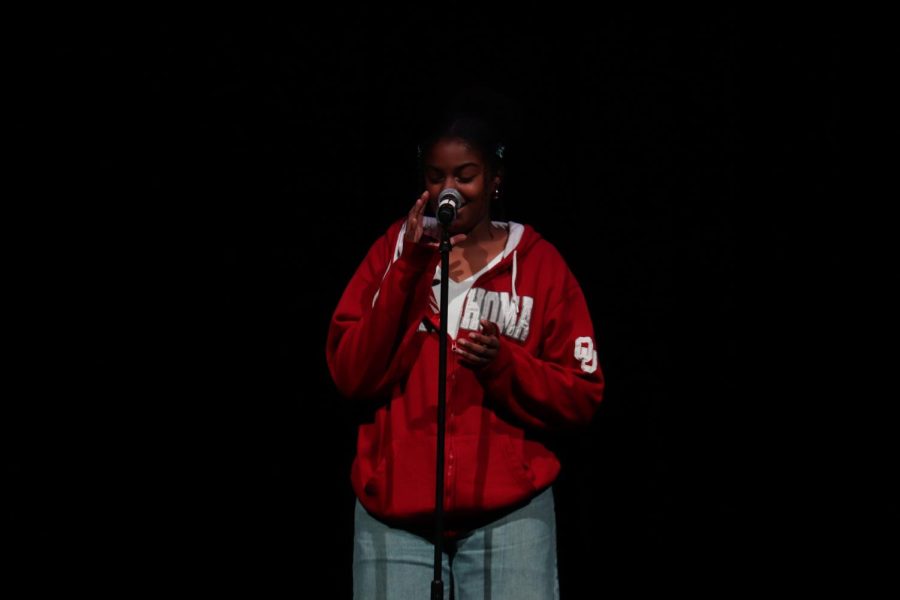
x: 515, y: 267
x: 513, y: 313
x: 398, y: 249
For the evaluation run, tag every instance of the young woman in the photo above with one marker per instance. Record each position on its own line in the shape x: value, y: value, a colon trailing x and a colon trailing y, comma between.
x: 521, y: 369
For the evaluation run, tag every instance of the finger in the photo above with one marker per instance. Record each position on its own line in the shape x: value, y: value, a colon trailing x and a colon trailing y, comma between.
x: 490, y: 328
x: 424, y: 202
x: 484, y: 354
x: 467, y: 356
x: 412, y: 230
x: 486, y: 341
x: 473, y: 347
x: 413, y: 212
x: 457, y: 239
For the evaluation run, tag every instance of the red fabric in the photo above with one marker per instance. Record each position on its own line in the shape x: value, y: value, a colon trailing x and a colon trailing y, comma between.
x: 545, y: 384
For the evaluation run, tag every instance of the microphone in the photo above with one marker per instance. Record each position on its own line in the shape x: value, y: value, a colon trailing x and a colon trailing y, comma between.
x: 449, y: 201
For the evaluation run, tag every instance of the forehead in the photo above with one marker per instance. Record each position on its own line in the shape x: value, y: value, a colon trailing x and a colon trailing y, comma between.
x: 452, y: 152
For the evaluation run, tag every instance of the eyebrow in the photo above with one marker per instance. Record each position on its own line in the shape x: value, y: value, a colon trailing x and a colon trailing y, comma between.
x: 460, y: 167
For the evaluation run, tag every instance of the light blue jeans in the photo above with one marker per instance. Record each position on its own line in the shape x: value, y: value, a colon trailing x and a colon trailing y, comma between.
x: 513, y: 557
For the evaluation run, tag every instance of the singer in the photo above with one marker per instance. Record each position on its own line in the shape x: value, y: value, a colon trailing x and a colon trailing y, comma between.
x: 522, y: 370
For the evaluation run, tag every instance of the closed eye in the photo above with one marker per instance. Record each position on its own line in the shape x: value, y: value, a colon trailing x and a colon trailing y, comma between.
x: 461, y: 180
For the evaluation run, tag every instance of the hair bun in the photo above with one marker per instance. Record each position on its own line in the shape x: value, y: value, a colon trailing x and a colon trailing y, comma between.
x: 479, y: 113
x: 488, y: 104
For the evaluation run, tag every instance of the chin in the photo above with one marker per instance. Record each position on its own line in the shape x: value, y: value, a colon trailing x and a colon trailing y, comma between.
x: 461, y: 227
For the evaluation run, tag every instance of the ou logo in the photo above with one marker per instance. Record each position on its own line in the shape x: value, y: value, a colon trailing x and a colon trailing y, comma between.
x: 584, y: 351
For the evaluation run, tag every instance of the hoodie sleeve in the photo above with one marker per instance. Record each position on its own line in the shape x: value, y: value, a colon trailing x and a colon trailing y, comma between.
x: 563, y: 386
x: 365, y: 326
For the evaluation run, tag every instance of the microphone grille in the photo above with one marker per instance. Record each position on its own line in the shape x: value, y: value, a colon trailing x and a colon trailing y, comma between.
x: 450, y: 194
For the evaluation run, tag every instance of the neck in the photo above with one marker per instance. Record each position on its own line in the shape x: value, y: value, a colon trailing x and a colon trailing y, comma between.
x: 485, y: 231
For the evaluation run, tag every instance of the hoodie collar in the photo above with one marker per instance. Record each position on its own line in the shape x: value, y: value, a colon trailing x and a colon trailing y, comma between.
x: 519, y: 235
x: 516, y: 233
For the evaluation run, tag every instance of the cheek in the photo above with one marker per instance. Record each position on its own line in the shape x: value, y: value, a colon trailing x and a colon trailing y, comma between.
x: 433, y: 192
x: 476, y: 193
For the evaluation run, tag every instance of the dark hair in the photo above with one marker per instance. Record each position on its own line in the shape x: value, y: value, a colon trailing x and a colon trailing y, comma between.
x: 475, y: 131
x: 482, y: 118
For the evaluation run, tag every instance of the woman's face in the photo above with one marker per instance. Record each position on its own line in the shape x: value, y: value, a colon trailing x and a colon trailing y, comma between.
x: 452, y: 164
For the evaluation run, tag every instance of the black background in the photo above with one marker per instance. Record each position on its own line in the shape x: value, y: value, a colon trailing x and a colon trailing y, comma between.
x: 207, y: 186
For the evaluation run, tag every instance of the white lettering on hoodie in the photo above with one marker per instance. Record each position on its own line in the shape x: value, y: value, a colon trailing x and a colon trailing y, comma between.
x: 511, y: 312
x: 496, y: 307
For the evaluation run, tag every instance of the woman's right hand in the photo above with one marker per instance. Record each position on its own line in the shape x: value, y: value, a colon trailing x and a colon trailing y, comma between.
x: 415, y: 229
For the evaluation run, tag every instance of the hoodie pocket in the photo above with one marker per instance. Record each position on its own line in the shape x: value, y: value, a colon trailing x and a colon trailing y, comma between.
x: 482, y: 473
x: 488, y: 472
x: 374, y: 482
x: 402, y: 484
x: 517, y: 464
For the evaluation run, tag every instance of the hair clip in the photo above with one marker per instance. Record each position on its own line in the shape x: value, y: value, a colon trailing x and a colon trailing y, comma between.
x: 500, y: 149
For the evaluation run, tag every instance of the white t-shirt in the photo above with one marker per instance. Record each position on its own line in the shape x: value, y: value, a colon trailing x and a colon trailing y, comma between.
x: 456, y: 293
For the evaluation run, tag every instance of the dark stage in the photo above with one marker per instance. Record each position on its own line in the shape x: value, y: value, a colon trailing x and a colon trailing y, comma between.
x: 206, y: 188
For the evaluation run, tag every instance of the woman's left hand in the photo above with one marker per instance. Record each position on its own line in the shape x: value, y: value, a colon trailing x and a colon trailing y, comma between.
x: 479, y: 349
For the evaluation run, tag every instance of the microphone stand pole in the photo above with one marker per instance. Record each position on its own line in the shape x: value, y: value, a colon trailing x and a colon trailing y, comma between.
x: 437, y: 585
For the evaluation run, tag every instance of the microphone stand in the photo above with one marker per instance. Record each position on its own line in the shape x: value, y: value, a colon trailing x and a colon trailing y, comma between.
x: 437, y: 585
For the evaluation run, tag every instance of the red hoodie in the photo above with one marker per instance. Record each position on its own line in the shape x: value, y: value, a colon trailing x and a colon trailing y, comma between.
x: 383, y: 346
